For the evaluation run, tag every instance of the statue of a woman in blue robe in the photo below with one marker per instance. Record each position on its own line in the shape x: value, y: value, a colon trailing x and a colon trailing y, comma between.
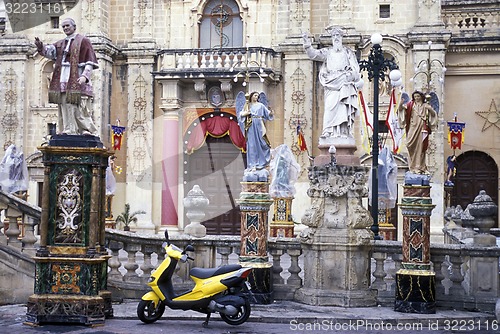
x: 252, y: 123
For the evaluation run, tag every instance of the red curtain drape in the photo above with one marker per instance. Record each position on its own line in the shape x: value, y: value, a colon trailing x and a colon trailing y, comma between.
x: 217, y: 127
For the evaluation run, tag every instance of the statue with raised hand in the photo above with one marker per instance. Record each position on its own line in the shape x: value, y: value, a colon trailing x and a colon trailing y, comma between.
x: 70, y: 86
x: 338, y: 74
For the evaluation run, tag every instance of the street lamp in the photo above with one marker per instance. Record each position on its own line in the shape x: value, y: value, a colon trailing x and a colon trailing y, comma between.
x: 429, y: 68
x: 376, y: 66
x: 247, y: 70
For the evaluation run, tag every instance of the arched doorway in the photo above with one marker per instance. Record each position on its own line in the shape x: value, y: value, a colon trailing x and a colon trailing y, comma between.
x: 476, y: 171
x: 217, y: 168
x: 215, y: 162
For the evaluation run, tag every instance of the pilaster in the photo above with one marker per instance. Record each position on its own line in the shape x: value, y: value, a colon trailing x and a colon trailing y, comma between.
x: 140, y: 152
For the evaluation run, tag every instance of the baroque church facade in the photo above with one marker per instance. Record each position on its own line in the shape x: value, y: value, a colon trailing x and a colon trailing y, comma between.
x: 169, y: 71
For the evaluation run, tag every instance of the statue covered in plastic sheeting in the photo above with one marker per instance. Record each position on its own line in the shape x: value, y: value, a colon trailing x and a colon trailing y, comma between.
x: 284, y: 172
x: 13, y: 171
x: 387, y: 180
x: 110, y: 177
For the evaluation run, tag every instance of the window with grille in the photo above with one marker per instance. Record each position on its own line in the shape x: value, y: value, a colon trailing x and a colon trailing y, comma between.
x: 221, y: 25
x: 385, y: 11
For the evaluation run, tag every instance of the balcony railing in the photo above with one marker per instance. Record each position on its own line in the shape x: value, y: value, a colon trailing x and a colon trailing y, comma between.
x: 230, y: 60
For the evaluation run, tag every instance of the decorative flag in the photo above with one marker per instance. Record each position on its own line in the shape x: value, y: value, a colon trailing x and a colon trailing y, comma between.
x: 391, y: 121
x: 366, y: 123
x: 456, y: 133
x: 117, y: 136
x: 301, y: 141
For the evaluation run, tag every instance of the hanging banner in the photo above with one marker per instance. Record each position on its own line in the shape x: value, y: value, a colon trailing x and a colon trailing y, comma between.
x: 456, y: 132
x: 117, y: 136
x: 301, y: 141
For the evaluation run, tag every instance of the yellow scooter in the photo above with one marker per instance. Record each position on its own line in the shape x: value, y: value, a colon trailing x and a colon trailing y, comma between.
x: 224, y: 290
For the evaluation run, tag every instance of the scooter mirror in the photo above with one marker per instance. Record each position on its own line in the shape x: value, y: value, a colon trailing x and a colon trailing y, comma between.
x: 166, y: 235
x: 189, y: 248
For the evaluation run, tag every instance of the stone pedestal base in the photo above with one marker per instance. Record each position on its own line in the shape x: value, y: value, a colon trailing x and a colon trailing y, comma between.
x: 338, y: 272
x: 336, y: 298
x: 345, y: 149
x: 254, y: 204
x: 415, y: 291
x: 85, y: 310
x: 70, y: 290
x: 282, y: 223
x: 261, y: 281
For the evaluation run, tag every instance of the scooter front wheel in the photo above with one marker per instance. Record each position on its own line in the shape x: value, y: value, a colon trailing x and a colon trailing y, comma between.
x: 240, y: 317
x: 148, y: 313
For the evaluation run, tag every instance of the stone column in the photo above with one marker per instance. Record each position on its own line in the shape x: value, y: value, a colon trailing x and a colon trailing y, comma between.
x: 415, y: 281
x: 171, y: 104
x: 71, y: 265
x: 337, y: 242
x: 254, y: 205
x: 140, y: 131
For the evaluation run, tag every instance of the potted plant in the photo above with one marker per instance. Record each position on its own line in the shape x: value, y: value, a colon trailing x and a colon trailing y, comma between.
x: 126, y: 217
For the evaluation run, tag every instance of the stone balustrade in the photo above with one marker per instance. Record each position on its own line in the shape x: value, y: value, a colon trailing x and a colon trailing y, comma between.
x: 18, y: 226
x: 479, y: 20
x: 467, y: 276
x: 227, y: 59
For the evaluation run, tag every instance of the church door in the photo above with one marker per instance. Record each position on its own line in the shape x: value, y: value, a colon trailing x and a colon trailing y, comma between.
x: 217, y: 167
x: 475, y: 171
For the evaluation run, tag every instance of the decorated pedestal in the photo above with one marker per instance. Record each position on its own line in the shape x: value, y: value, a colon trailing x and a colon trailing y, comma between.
x: 337, y: 243
x: 282, y: 223
x: 254, y: 205
x: 71, y: 263
x: 415, y: 281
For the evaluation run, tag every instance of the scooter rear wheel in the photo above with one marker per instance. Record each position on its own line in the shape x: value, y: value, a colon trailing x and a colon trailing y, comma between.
x: 240, y: 317
x: 148, y: 313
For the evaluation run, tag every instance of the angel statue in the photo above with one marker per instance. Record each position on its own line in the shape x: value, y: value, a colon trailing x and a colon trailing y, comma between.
x: 252, y: 114
x: 418, y: 119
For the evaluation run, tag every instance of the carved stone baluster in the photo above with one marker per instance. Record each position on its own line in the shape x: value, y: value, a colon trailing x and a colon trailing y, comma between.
x: 438, y: 260
x: 114, y: 262
x: 227, y: 61
x: 131, y: 265
x: 203, y: 60
x: 211, y: 61
x: 147, y: 266
x: 397, y: 258
x: 277, y: 269
x: 195, y: 62
x: 13, y: 231
x: 180, y: 63
x: 29, y: 238
x: 224, y: 254
x: 456, y: 276
x: 379, y: 272
x: 294, y: 270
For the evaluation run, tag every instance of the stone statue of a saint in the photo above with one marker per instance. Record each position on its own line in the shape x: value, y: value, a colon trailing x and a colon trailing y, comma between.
x: 338, y: 75
x: 418, y: 118
x: 70, y: 86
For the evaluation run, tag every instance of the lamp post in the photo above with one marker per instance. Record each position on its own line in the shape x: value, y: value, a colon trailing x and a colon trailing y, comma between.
x: 376, y: 66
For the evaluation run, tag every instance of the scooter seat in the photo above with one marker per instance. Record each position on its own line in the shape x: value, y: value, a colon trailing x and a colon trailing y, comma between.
x: 209, y: 272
